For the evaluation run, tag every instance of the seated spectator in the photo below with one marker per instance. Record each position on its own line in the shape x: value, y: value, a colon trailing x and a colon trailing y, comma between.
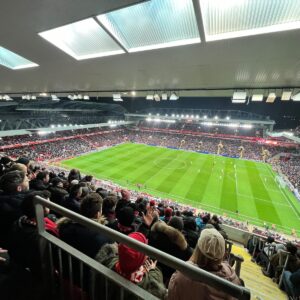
x: 278, y: 260
x: 58, y: 193
x: 41, y: 182
x: 14, y: 186
x: 109, y: 206
x: 134, y: 266
x: 74, y: 175
x: 82, y: 238
x: 291, y: 283
x: 72, y: 202
x: 170, y: 240
x: 125, y: 222
x: 189, y: 231
x: 208, y: 255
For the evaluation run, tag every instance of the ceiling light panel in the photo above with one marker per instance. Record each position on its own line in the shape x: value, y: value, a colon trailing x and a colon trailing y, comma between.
x: 236, y: 18
x: 14, y: 61
x: 153, y: 24
x: 82, y: 40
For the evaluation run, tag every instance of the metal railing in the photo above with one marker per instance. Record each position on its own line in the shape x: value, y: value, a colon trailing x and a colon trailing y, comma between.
x: 193, y: 272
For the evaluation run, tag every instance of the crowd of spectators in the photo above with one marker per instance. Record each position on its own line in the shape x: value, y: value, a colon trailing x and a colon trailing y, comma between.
x: 279, y: 261
x: 200, y: 128
x: 198, y: 239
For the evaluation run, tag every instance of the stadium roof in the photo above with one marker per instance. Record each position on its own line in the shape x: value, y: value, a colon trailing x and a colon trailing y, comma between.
x: 235, y: 51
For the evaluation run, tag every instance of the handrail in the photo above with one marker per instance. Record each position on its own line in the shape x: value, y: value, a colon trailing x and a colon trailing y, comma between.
x: 173, y: 262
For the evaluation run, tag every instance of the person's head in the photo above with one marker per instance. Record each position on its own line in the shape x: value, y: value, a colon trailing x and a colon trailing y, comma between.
x: 23, y: 160
x: 85, y: 191
x: 109, y: 204
x: 291, y: 248
x: 18, y: 167
x: 14, y: 181
x: 27, y: 206
x: 74, y: 175
x: 75, y: 191
x: 57, y: 182
x: 91, y: 206
x: 270, y: 239
x: 210, y: 250
x: 43, y: 176
x: 126, y: 216
x: 168, y: 212
x: 190, y: 223
x: 130, y: 260
x: 176, y: 222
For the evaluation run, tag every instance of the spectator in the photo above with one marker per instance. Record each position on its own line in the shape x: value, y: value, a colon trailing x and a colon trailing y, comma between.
x: 134, y: 266
x: 72, y: 202
x: 291, y: 283
x: 170, y: 240
x: 41, y: 182
x: 14, y: 186
x: 190, y: 231
x: 208, y: 255
x: 58, y: 193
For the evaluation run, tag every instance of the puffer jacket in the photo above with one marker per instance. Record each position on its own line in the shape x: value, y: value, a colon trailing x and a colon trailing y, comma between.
x: 182, y: 287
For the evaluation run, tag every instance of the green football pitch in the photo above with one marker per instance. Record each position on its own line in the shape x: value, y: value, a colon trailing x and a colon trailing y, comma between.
x: 242, y: 189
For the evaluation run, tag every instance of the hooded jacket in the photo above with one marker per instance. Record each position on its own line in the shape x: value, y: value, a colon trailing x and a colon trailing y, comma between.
x: 152, y: 281
x: 171, y: 241
x: 182, y: 287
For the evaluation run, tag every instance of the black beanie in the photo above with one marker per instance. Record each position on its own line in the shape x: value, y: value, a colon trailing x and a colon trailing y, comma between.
x: 126, y: 216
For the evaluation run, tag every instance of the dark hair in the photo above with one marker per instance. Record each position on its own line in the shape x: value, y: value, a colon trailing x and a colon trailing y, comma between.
x: 190, y: 223
x: 108, y: 204
x: 74, y: 174
x: 74, y: 190
x: 10, y: 181
x: 290, y: 247
x: 42, y: 175
x: 91, y: 205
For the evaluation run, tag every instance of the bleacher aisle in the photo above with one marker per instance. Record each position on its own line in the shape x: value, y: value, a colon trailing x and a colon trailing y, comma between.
x: 262, y: 287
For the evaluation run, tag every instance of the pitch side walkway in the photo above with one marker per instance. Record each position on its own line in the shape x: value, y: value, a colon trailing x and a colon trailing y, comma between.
x: 262, y: 287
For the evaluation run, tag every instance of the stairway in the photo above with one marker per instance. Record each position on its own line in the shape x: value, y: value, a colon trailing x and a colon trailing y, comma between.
x: 261, y: 287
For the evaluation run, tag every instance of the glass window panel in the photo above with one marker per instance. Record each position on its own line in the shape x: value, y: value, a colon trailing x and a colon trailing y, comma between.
x: 14, y: 61
x: 223, y: 19
x: 82, y: 40
x: 153, y: 24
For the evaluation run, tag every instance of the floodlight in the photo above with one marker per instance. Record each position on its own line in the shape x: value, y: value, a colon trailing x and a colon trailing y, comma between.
x: 257, y: 98
x: 216, y: 117
x: 149, y: 97
x: 296, y: 97
x: 54, y: 98
x: 286, y: 95
x: 33, y: 97
x: 43, y: 94
x: 174, y: 97
x: 86, y: 97
x: 117, y: 98
x: 239, y: 97
x: 227, y: 118
x: 156, y: 97
x: 7, y: 98
x: 205, y: 117
x: 271, y: 98
x: 133, y: 93
x: 164, y: 96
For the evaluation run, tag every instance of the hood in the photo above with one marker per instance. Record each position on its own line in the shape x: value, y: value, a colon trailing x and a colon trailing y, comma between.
x: 107, y: 252
x: 226, y: 272
x: 62, y: 222
x: 173, y: 234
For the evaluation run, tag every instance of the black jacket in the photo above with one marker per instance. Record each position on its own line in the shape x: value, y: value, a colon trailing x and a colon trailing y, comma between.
x: 71, y: 203
x: 58, y: 194
x: 10, y: 211
x: 37, y: 185
x: 83, y: 239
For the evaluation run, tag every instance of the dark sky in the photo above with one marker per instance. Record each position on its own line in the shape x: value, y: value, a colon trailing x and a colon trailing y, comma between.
x: 285, y: 113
